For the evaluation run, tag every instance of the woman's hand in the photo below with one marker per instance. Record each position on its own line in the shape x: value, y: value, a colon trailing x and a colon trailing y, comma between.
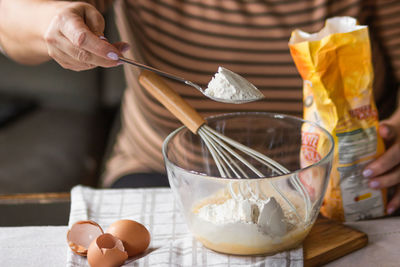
x: 384, y: 172
x: 75, y: 39
x: 70, y: 32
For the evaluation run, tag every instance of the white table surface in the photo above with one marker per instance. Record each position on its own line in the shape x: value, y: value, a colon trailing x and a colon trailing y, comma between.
x: 47, y: 246
x: 31, y: 246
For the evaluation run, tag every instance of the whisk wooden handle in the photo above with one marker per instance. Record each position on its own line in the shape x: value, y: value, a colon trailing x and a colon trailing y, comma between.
x: 171, y: 100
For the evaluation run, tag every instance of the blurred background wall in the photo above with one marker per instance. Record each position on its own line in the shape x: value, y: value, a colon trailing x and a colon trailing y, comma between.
x: 55, y: 123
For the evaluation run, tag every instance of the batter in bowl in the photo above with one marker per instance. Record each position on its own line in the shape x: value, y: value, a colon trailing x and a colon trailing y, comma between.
x: 249, y: 226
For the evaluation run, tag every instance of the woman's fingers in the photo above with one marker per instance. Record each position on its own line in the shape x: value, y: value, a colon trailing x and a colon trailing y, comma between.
x: 386, y: 131
x: 122, y: 46
x: 72, y: 57
x: 76, y: 31
x: 55, y: 40
x: 94, y: 21
x: 67, y: 62
x: 82, y: 38
x: 384, y: 172
x: 394, y: 203
x: 390, y: 158
x: 386, y: 180
x: 384, y: 163
x: 84, y: 56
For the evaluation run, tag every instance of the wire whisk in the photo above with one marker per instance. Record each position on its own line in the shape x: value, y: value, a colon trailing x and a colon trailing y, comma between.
x: 223, y: 149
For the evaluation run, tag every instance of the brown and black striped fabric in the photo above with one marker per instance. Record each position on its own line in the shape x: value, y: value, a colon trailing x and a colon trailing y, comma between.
x: 250, y: 37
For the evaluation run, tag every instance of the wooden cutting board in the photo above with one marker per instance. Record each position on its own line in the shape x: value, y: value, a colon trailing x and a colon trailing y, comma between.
x: 329, y: 240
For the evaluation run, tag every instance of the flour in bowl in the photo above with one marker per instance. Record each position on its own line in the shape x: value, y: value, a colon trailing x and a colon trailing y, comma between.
x: 266, y: 215
x: 231, y: 86
x: 248, y: 226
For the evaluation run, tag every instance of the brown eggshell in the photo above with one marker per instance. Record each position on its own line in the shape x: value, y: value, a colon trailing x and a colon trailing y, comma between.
x: 134, y: 235
x: 81, y: 235
x: 106, y: 251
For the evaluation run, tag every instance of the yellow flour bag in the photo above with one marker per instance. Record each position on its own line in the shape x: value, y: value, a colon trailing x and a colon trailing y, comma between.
x: 337, y: 73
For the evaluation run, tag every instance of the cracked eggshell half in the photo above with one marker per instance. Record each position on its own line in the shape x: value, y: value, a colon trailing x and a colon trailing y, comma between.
x: 106, y: 251
x: 134, y: 236
x: 81, y: 235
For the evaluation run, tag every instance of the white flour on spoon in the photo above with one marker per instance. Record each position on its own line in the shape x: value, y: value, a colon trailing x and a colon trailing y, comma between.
x: 231, y: 86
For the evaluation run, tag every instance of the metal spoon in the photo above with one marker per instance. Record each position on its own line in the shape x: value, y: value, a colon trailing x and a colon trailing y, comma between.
x: 177, y: 78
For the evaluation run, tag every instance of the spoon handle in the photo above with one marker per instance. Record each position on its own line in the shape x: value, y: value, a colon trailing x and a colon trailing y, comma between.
x: 159, y: 72
x: 171, y: 100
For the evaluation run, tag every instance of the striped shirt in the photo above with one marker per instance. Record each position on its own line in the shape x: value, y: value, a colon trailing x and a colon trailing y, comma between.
x: 250, y: 37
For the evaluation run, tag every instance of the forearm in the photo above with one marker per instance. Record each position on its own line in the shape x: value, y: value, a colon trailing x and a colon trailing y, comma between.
x: 23, y: 25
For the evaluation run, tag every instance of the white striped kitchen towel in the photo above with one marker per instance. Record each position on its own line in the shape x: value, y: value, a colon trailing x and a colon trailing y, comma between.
x: 171, y: 243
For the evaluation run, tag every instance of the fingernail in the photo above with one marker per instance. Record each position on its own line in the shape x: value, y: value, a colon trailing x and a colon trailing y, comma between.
x: 103, y: 38
x: 112, y: 56
x: 390, y: 210
x: 384, y: 130
x: 125, y: 47
x: 367, y: 173
x: 374, y: 184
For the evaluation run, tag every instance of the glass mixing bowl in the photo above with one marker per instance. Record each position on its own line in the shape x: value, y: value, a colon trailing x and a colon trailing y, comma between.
x: 254, y: 215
